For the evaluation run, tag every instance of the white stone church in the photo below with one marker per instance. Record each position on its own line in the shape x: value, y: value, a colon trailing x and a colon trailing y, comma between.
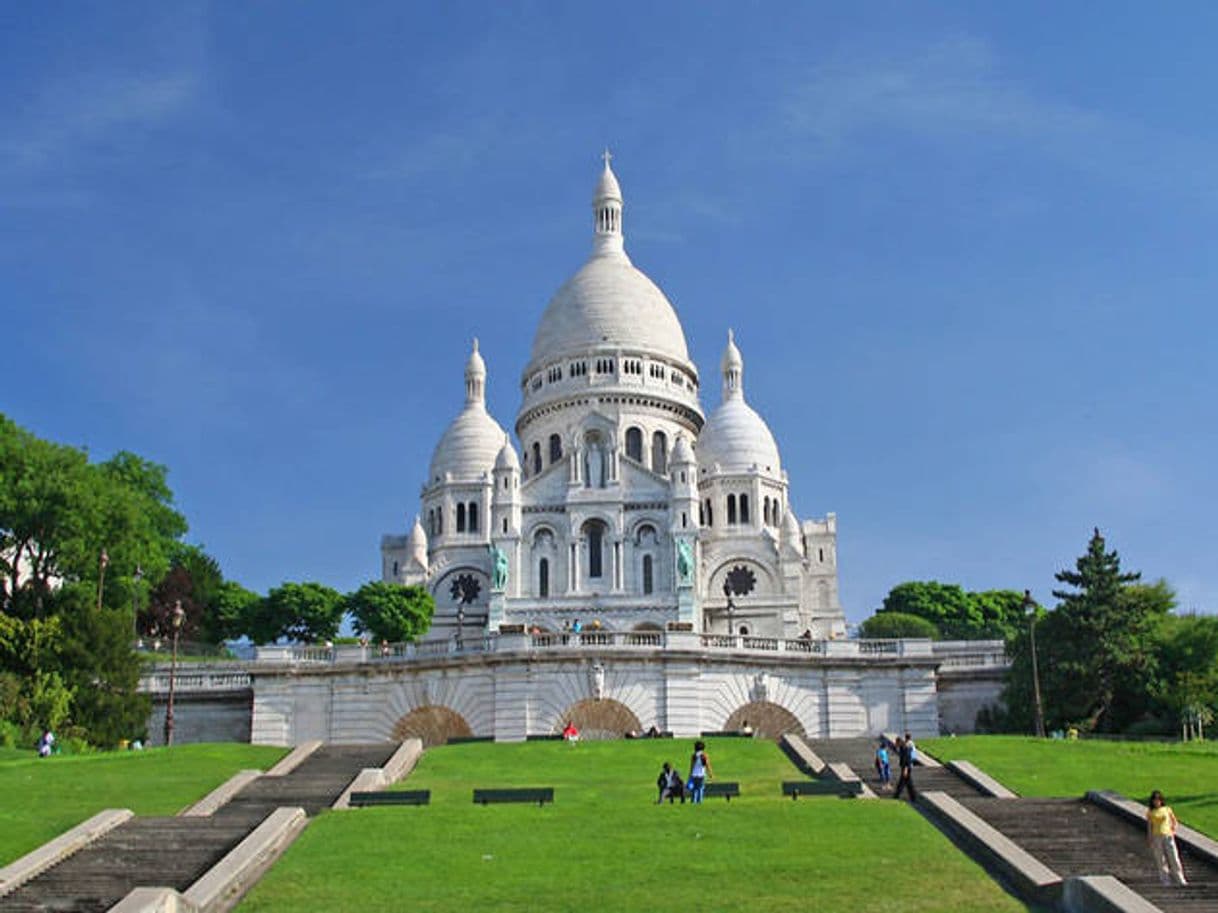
x: 625, y: 507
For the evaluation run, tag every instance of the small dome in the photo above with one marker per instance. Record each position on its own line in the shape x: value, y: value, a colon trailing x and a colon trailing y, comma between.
x: 417, y: 537
x: 681, y: 451
x: 791, y: 534
x: 607, y: 187
x: 469, y: 446
x: 507, y: 458
x: 475, y: 366
x: 736, y: 438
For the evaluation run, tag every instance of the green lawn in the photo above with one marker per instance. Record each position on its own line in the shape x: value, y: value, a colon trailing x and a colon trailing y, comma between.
x: 42, y: 798
x: 1187, y: 773
x: 605, y: 845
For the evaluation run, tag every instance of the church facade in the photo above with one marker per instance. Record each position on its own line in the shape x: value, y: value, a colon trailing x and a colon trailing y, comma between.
x: 626, y: 507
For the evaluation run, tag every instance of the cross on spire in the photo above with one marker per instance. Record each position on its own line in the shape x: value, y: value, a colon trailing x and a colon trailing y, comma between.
x: 607, y: 156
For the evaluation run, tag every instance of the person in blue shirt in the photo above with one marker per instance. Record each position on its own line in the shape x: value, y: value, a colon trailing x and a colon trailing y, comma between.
x: 882, y: 766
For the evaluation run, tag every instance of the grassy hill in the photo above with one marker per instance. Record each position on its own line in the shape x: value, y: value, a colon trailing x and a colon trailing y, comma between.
x: 604, y: 844
x: 45, y: 797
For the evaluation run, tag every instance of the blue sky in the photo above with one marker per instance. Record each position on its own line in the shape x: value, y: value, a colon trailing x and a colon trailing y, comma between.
x: 967, y: 253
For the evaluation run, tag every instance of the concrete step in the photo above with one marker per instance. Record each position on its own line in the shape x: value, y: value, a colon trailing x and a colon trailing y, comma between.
x: 176, y: 852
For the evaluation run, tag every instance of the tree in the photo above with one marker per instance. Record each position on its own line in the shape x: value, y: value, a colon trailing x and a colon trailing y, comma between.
x: 298, y: 611
x: 955, y: 613
x: 233, y: 610
x: 389, y: 611
x: 1188, y: 671
x: 884, y: 625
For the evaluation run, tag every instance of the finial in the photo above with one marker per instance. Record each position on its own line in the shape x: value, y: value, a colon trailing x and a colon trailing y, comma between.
x: 607, y: 156
x: 475, y: 343
x: 731, y: 337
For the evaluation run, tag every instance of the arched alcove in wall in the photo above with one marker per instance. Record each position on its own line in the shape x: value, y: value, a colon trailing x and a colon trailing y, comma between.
x: 434, y: 724
x: 767, y: 720
x: 603, y: 719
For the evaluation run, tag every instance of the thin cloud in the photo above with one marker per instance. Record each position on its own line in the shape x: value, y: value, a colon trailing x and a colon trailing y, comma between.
x: 74, y: 115
x: 956, y: 91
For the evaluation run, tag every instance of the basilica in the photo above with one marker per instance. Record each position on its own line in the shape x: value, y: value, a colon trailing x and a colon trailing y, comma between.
x: 625, y: 507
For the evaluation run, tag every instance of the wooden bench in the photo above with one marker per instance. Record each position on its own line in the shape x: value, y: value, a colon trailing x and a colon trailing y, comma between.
x: 726, y: 790
x: 465, y: 739
x: 539, y: 794
x: 797, y: 788
x: 404, y: 797
x: 544, y: 737
x: 727, y: 734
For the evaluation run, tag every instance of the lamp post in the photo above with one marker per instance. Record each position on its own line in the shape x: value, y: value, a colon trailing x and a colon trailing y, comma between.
x: 102, y: 561
x: 460, y: 624
x: 135, y: 604
x: 1029, y: 607
x: 179, y: 615
x: 731, y: 608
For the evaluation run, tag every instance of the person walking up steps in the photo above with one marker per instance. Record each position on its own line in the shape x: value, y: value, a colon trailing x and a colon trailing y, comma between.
x: 699, y: 772
x: 1161, y: 827
x: 905, y: 779
x: 882, y: 766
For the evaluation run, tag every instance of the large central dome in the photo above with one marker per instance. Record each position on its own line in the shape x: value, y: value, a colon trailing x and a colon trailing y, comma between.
x: 608, y: 303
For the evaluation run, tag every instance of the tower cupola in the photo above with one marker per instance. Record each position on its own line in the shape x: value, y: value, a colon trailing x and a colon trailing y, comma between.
x: 607, y: 211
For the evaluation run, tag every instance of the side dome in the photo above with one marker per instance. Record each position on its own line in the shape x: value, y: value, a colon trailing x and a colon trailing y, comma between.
x: 735, y: 437
x: 609, y: 303
x: 469, y: 445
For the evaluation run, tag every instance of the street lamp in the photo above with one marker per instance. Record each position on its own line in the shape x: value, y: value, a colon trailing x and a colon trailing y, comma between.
x: 460, y: 624
x: 135, y: 605
x: 102, y: 561
x: 1029, y: 608
x: 731, y: 608
x: 179, y: 615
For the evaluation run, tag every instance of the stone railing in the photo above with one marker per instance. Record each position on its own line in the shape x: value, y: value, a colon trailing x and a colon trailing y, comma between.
x: 592, y: 641
x: 189, y: 678
x: 971, y: 654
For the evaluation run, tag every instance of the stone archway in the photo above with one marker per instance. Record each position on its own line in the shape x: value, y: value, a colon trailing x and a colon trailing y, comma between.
x: 768, y: 720
x: 603, y: 719
x: 433, y: 723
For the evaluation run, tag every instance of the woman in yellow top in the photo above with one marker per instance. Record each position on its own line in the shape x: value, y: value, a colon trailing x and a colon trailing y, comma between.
x: 1161, y: 827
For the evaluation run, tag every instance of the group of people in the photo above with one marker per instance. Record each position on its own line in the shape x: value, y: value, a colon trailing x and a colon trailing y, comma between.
x: 907, y: 755
x: 673, y: 786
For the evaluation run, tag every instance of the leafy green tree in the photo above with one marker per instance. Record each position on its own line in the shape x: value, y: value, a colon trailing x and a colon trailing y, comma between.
x: 884, y: 625
x: 233, y: 610
x: 298, y: 611
x: 1187, y: 692
x: 956, y: 613
x: 389, y: 611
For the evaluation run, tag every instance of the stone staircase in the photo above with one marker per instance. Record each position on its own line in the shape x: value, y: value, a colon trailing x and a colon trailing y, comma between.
x: 1077, y: 837
x: 1070, y: 836
x: 176, y: 852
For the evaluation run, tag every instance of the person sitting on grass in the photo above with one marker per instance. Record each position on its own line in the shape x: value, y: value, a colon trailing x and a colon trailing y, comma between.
x: 671, y: 785
x: 570, y: 734
x: 46, y: 744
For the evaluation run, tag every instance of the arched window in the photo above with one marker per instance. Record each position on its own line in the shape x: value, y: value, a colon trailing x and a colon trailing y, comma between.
x: 555, y: 448
x: 634, y: 444
x: 431, y: 522
x: 395, y: 569
x: 731, y: 509
x: 659, y: 452
x: 505, y: 524
x: 648, y: 582
x: 543, y: 578
x: 460, y: 517
x: 765, y: 511
x: 536, y: 458
x: 710, y: 513
x: 701, y: 515
x: 744, y: 508
x: 439, y: 521
x: 596, y: 545
x: 472, y: 516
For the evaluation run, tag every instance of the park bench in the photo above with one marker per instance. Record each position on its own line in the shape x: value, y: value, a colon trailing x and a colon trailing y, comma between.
x: 539, y: 794
x: 465, y: 739
x: 544, y: 737
x: 727, y: 734
x: 797, y: 788
x: 726, y: 790
x: 404, y: 797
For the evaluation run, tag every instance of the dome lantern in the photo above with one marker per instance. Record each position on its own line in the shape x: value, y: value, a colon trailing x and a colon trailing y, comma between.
x: 475, y: 377
x: 607, y: 210
x: 732, y: 366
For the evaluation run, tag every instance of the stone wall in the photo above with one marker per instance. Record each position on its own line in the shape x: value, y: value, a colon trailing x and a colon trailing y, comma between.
x: 225, y: 716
